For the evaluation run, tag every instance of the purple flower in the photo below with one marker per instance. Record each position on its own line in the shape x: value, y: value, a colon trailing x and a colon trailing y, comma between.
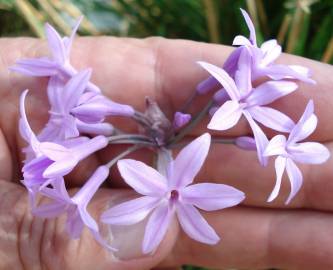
x: 75, y: 207
x: 165, y: 195
x: 291, y: 150
x: 73, y: 111
x: 250, y: 102
x: 49, y: 160
x: 59, y: 64
x: 262, y: 61
x: 180, y: 119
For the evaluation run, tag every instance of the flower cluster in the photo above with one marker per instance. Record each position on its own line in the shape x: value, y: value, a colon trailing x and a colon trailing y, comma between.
x: 77, y: 128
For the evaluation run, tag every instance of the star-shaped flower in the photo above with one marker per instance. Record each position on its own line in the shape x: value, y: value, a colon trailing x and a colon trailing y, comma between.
x: 58, y: 64
x: 291, y: 150
x: 163, y: 196
x: 250, y: 102
x: 75, y: 207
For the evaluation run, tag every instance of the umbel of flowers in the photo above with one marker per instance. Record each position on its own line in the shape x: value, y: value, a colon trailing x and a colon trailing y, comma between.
x: 77, y: 128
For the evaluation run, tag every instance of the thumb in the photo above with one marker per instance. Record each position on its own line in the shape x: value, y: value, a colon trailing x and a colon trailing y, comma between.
x: 30, y: 242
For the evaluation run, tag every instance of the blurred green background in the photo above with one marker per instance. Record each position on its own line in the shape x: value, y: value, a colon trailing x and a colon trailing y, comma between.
x: 303, y: 27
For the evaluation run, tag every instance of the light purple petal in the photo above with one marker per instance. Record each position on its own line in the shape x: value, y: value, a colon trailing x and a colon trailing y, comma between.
x: 270, y: 91
x: 260, y: 138
x: 271, y: 50
x: 305, y: 126
x: 74, y: 89
x: 280, y: 164
x: 55, y: 44
x: 142, y: 178
x: 243, y: 73
x: 230, y: 65
x: 68, y: 42
x: 54, y: 92
x: 246, y: 143
x: 156, y: 228
x: 49, y: 210
x: 227, y: 116
x: 87, y: 219
x: 240, y: 40
x: 306, y: 72
x: 25, y: 128
x: 105, y: 129
x: 39, y: 67
x: 225, y: 80
x: 210, y: 197
x: 188, y: 162
x: 278, y: 72
x: 250, y: 25
x: 272, y: 118
x: 295, y: 178
x: 84, y: 195
x: 130, y: 212
x: 54, y: 151
x: 276, y: 146
x: 89, y: 147
x: 309, y: 152
x: 195, y: 226
x: 60, y: 168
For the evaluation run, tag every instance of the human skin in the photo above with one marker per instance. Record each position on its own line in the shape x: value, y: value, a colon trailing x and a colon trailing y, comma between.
x: 255, y: 235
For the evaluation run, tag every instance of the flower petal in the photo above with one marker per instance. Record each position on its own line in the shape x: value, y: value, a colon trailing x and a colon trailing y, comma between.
x: 207, y: 85
x: 74, y: 89
x: 260, y: 138
x: 54, y: 151
x: 280, y: 164
x: 305, y: 126
x: 39, y: 67
x: 188, y: 162
x: 227, y: 116
x: 60, y: 168
x: 156, y: 228
x: 230, y: 65
x: 272, y: 118
x: 55, y: 44
x: 250, y: 25
x: 240, y: 40
x: 130, y: 212
x: 142, y: 178
x: 225, y: 80
x: 49, y: 210
x: 246, y: 143
x: 270, y: 91
x: 295, y: 178
x: 276, y: 146
x: 195, y: 226
x: 243, y: 73
x: 309, y: 152
x: 271, y: 50
x: 105, y: 129
x: 210, y: 197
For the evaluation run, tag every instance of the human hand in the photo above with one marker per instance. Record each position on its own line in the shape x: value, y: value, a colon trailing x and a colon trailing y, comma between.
x: 254, y: 235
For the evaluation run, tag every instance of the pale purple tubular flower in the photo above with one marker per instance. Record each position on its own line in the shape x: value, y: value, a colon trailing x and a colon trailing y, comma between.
x: 59, y: 64
x: 180, y: 119
x: 246, y: 143
x: 291, y: 150
x: 163, y: 196
x: 73, y: 111
x: 264, y: 57
x: 250, y: 102
x: 51, y: 160
x: 75, y: 207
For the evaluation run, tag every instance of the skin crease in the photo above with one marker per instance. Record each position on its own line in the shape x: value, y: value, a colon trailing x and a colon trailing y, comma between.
x: 256, y: 235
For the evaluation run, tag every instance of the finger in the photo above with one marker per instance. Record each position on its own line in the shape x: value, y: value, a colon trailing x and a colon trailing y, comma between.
x: 254, y: 238
x: 166, y: 69
x: 27, y: 241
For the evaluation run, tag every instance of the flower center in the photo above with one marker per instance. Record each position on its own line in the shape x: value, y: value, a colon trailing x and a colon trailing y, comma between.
x: 174, y: 195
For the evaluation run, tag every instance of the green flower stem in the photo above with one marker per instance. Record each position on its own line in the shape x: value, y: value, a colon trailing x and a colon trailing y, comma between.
x: 123, y: 154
